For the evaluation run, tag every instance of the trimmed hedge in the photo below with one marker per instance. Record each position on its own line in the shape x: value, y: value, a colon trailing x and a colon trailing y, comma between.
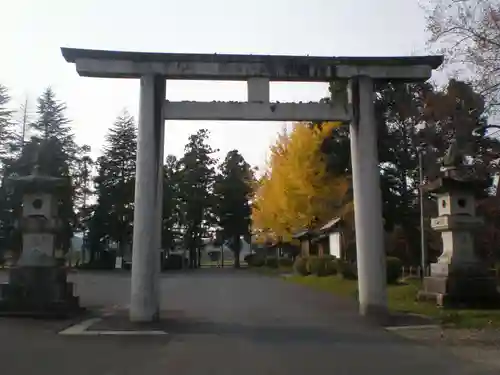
x: 347, y: 270
x: 331, y: 267
x: 271, y: 262
x: 394, y: 266
x: 255, y: 260
x: 248, y: 258
x: 300, y: 266
x: 107, y: 261
x: 328, y: 265
x: 286, y: 262
x: 174, y: 262
x: 316, y: 265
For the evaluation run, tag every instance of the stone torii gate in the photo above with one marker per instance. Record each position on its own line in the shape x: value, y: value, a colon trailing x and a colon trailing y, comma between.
x: 154, y: 69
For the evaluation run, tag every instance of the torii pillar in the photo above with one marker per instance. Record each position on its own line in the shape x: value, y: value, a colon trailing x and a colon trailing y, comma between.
x: 153, y: 69
x: 148, y: 201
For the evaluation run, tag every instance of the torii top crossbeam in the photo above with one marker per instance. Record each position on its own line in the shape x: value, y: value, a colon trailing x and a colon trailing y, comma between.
x: 258, y: 71
x: 121, y: 64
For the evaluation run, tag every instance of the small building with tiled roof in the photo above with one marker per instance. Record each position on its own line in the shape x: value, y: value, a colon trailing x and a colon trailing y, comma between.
x: 323, y: 240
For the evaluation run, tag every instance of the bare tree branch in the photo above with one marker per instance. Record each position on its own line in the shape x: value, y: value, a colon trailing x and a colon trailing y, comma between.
x: 467, y: 32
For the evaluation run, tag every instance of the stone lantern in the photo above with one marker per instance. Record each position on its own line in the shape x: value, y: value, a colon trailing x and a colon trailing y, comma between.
x: 38, y: 282
x: 458, y: 278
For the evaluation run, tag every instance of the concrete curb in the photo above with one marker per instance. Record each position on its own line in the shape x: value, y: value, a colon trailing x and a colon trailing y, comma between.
x: 83, y: 329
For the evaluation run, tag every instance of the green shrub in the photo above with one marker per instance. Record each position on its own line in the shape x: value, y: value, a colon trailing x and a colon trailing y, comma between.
x: 215, y: 256
x: 300, y: 266
x: 321, y: 265
x: 331, y: 266
x: 393, y: 266
x: 271, y: 262
x: 329, y: 257
x: 107, y: 261
x: 174, y: 262
x: 315, y: 265
x: 256, y: 260
x: 347, y: 270
x: 286, y: 262
x: 248, y: 258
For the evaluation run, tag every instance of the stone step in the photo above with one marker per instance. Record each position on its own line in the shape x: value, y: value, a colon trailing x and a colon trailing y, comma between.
x: 47, y: 292
x: 54, y: 309
x: 36, y: 275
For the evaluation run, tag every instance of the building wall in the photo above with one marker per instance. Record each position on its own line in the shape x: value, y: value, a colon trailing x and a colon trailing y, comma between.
x: 335, y: 244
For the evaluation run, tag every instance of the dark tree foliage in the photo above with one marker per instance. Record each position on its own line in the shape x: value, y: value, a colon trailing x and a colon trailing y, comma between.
x: 197, y: 176
x: 413, y: 118
x: 115, y: 182
x: 233, y: 189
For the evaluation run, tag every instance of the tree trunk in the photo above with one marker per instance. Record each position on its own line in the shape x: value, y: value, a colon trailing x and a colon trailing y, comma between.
x: 236, y: 250
x: 192, y: 258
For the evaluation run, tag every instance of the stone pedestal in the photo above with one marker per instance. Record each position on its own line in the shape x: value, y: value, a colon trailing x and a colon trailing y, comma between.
x: 38, y: 284
x: 38, y: 291
x: 468, y: 286
x: 458, y: 278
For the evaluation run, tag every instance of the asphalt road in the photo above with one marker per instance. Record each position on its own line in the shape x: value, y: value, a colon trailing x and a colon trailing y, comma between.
x: 223, y: 322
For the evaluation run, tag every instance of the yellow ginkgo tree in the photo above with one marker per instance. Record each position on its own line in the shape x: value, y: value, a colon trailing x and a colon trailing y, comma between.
x: 296, y: 191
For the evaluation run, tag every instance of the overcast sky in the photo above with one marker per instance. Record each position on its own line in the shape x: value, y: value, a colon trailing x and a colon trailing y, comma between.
x: 34, y: 31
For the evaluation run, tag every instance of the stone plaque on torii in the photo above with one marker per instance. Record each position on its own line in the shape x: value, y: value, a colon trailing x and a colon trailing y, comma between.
x: 154, y: 69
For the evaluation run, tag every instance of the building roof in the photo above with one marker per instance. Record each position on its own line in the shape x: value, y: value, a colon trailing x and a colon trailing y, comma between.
x: 332, y: 224
x: 302, y: 234
x: 328, y: 227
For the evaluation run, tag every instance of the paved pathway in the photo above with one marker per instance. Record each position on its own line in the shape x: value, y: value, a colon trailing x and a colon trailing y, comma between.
x: 223, y: 322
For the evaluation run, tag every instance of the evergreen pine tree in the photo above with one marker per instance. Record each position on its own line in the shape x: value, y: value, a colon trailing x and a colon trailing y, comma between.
x: 197, y: 175
x: 115, y: 185
x: 232, y: 189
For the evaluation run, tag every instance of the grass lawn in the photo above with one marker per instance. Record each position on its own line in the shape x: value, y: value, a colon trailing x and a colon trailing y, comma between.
x: 402, y: 299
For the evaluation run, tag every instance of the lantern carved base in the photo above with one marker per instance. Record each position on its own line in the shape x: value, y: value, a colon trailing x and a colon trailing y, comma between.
x: 38, y: 292
x: 468, y: 286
